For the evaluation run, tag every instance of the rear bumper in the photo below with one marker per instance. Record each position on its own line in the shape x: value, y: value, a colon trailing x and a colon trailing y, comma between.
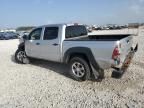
x: 119, y: 71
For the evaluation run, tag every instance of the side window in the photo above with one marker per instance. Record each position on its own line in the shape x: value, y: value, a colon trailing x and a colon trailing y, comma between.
x: 50, y: 33
x: 75, y: 31
x: 35, y: 34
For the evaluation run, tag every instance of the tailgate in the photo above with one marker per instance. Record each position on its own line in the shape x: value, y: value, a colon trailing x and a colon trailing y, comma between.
x: 118, y: 72
x: 125, y: 47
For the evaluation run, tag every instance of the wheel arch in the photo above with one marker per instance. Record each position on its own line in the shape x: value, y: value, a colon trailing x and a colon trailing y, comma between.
x: 96, y: 70
x: 81, y: 51
x: 21, y: 46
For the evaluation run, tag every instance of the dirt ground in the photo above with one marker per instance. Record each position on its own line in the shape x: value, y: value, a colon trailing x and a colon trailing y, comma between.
x: 44, y: 84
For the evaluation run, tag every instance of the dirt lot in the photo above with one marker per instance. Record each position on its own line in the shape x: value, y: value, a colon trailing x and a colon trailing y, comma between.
x: 47, y: 84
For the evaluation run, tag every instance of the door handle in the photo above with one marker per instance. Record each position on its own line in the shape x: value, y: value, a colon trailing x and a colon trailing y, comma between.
x: 37, y: 43
x: 55, y: 44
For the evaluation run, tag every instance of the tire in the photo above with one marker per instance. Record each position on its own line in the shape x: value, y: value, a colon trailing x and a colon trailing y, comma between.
x: 79, y: 68
x: 20, y: 57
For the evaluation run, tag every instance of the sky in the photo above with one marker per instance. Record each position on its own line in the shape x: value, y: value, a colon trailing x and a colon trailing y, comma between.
x: 15, y: 13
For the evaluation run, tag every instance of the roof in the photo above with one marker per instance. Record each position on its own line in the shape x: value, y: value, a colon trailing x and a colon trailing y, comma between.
x: 60, y: 24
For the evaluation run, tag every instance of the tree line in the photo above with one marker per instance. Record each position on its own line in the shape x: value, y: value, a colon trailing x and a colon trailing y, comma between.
x: 25, y: 28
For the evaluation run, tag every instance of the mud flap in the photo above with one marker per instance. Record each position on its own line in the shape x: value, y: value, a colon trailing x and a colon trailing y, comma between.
x: 97, y: 75
x: 118, y: 72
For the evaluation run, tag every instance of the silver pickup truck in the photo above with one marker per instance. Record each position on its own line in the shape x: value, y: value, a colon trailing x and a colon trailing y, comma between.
x: 86, y: 55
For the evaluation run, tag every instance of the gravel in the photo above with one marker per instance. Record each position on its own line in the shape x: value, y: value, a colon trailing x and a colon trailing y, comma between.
x: 44, y: 84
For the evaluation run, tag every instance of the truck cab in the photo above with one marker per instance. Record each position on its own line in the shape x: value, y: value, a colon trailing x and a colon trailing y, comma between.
x: 44, y: 43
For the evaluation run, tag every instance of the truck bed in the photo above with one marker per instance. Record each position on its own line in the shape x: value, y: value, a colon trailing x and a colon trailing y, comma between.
x: 114, y: 37
x: 102, y: 46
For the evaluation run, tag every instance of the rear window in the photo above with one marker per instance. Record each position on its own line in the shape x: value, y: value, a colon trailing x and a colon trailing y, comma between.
x: 75, y: 31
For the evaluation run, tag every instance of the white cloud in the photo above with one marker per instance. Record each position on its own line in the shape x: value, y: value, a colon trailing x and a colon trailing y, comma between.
x: 141, y: 1
x: 49, y: 2
x: 134, y: 12
x: 137, y: 7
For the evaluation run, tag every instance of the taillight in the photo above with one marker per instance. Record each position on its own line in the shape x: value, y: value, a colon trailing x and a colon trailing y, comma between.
x: 116, y: 53
x: 116, y: 56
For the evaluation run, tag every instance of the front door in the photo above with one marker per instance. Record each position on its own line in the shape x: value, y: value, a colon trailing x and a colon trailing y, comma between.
x: 33, y: 44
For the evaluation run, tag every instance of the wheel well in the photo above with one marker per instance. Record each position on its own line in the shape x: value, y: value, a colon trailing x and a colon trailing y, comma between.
x: 79, y: 55
x: 22, y: 46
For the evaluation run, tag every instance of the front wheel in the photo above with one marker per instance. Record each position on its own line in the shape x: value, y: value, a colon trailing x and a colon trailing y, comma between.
x: 79, y: 68
x: 20, y: 57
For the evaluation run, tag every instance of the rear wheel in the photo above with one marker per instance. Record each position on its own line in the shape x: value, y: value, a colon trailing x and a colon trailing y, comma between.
x: 79, y: 68
x: 20, y: 57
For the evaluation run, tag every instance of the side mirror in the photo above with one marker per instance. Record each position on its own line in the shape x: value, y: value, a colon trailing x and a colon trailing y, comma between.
x: 25, y: 37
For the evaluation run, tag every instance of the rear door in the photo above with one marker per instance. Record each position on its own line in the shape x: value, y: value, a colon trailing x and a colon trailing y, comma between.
x: 32, y: 45
x: 50, y: 46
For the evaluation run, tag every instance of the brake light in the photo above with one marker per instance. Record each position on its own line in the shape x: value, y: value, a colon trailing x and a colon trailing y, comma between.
x: 116, y: 53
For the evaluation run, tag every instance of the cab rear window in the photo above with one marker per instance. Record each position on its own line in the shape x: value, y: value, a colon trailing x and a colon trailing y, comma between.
x: 75, y: 31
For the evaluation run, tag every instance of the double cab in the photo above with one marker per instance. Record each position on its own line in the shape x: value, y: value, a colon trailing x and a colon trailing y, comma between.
x: 86, y: 55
